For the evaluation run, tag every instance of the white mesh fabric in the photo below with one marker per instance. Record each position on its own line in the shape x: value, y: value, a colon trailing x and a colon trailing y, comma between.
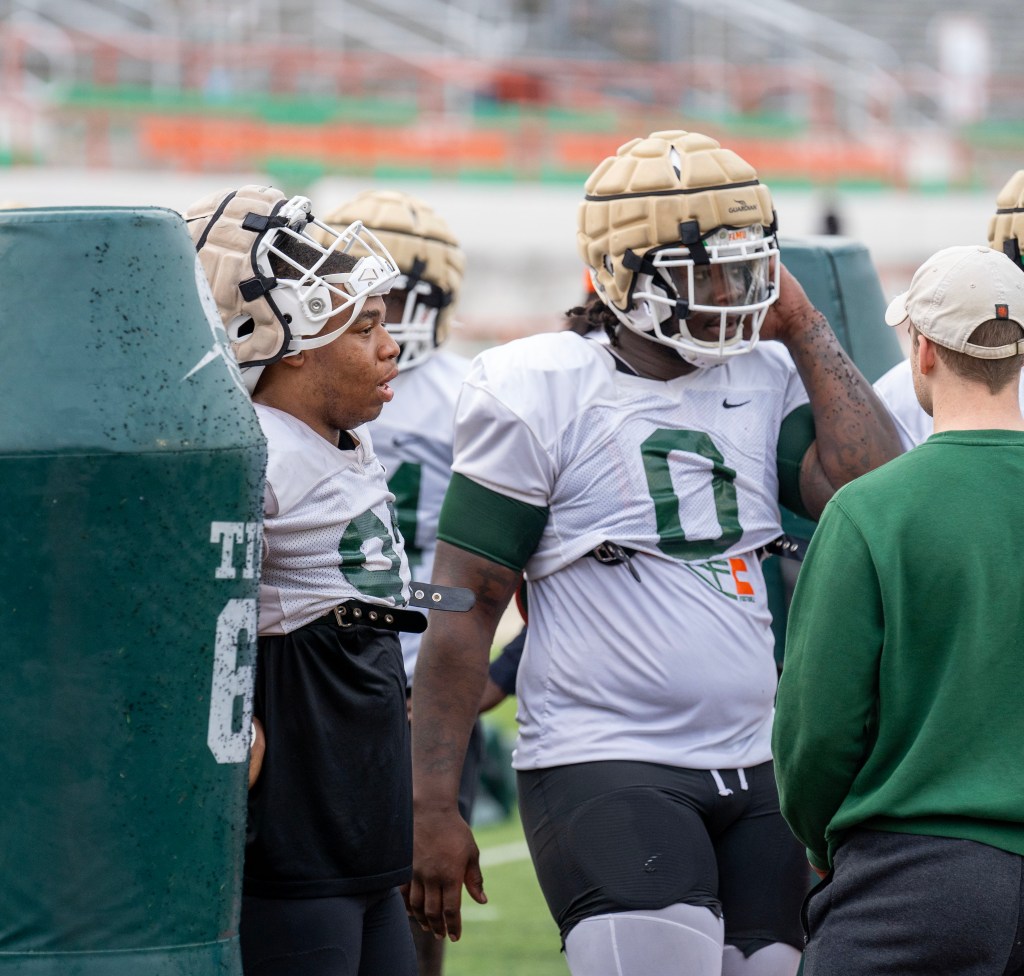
x: 677, y: 668
x: 548, y: 420
x: 316, y: 493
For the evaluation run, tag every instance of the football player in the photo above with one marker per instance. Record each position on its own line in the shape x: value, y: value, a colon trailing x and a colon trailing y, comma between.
x: 329, y: 819
x: 413, y: 435
x: 896, y: 387
x: 638, y: 484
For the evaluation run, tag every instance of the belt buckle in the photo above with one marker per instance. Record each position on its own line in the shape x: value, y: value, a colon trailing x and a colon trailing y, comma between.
x: 608, y: 553
x: 339, y: 612
x: 612, y: 554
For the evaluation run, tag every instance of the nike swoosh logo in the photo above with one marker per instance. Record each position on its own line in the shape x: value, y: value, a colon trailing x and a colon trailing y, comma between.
x: 730, y: 406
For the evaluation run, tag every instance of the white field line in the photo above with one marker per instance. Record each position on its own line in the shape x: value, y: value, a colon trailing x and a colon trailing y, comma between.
x: 504, y: 854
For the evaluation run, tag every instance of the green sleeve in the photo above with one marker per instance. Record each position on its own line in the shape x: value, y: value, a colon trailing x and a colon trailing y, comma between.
x: 826, y: 703
x: 796, y: 435
x: 489, y: 524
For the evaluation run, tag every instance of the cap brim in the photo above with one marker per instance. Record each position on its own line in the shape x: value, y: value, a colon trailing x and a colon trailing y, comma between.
x: 897, y: 310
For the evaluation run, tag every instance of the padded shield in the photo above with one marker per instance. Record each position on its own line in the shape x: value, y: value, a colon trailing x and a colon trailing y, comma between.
x: 638, y: 199
x: 132, y: 508
x: 1006, y: 225
x: 227, y: 252
x: 412, y: 232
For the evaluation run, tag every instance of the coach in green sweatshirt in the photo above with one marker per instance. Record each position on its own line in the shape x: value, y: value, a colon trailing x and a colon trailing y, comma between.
x: 899, y: 732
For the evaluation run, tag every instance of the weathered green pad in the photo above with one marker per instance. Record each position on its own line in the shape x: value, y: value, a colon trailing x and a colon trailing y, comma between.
x: 841, y: 281
x: 130, y: 514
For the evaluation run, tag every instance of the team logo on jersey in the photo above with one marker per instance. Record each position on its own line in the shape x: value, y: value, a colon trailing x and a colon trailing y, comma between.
x: 729, y: 577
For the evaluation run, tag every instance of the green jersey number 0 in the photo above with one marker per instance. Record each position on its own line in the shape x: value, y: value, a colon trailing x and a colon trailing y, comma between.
x: 672, y: 539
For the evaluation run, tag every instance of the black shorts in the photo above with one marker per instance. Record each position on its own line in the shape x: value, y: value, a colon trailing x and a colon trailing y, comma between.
x: 353, y: 935
x: 331, y: 812
x: 620, y: 836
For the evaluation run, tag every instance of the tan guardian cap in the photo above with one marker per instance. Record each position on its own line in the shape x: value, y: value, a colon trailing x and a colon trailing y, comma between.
x: 958, y: 289
x: 1006, y: 225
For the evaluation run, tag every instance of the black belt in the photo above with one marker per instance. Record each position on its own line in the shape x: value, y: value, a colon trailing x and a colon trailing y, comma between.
x: 786, y: 546
x: 435, y: 597
x: 355, y: 612
x: 428, y: 595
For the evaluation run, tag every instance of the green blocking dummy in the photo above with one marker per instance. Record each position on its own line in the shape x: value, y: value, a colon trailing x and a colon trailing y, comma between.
x: 131, y: 472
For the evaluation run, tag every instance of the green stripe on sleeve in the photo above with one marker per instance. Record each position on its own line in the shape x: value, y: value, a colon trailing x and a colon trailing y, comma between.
x: 490, y: 524
x: 795, y: 436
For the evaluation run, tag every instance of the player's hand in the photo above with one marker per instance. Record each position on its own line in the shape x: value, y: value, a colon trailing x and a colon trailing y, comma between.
x: 256, y: 751
x: 792, y: 313
x: 445, y: 857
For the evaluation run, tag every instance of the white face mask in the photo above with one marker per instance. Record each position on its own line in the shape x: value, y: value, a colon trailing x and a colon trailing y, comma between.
x: 679, y: 303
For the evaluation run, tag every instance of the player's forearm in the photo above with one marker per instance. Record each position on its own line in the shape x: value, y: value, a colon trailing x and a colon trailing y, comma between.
x: 853, y: 431
x: 451, y: 672
x: 450, y: 675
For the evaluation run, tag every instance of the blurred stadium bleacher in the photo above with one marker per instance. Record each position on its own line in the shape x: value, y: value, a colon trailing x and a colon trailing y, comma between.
x: 825, y: 93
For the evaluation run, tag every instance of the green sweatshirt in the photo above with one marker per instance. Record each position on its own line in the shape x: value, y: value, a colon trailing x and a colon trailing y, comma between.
x: 901, y: 704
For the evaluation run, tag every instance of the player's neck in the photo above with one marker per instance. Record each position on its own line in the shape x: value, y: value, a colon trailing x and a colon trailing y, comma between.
x: 303, y: 409
x: 650, y: 359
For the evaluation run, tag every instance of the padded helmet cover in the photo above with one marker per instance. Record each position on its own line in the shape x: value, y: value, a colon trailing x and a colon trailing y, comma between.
x: 425, y: 250
x: 1006, y: 225
x: 227, y: 252
x: 637, y: 199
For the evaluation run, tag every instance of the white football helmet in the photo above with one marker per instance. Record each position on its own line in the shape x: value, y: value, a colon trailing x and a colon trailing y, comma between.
x: 1006, y: 225
x: 429, y: 258
x: 268, y: 317
x: 680, y: 240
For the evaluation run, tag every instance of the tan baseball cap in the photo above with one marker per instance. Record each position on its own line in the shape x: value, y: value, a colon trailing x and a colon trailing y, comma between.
x: 958, y: 289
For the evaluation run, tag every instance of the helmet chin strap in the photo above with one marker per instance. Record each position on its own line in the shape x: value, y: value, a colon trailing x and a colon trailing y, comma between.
x: 251, y: 376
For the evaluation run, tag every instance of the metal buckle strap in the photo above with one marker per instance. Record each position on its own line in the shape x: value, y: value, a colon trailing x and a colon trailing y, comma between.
x: 428, y: 595
x: 434, y: 597
x: 786, y: 546
x: 612, y: 554
x: 353, y: 612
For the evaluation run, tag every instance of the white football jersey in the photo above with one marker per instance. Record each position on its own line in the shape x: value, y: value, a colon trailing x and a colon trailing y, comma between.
x: 677, y: 668
x: 329, y: 527
x: 413, y: 438
x: 896, y: 388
